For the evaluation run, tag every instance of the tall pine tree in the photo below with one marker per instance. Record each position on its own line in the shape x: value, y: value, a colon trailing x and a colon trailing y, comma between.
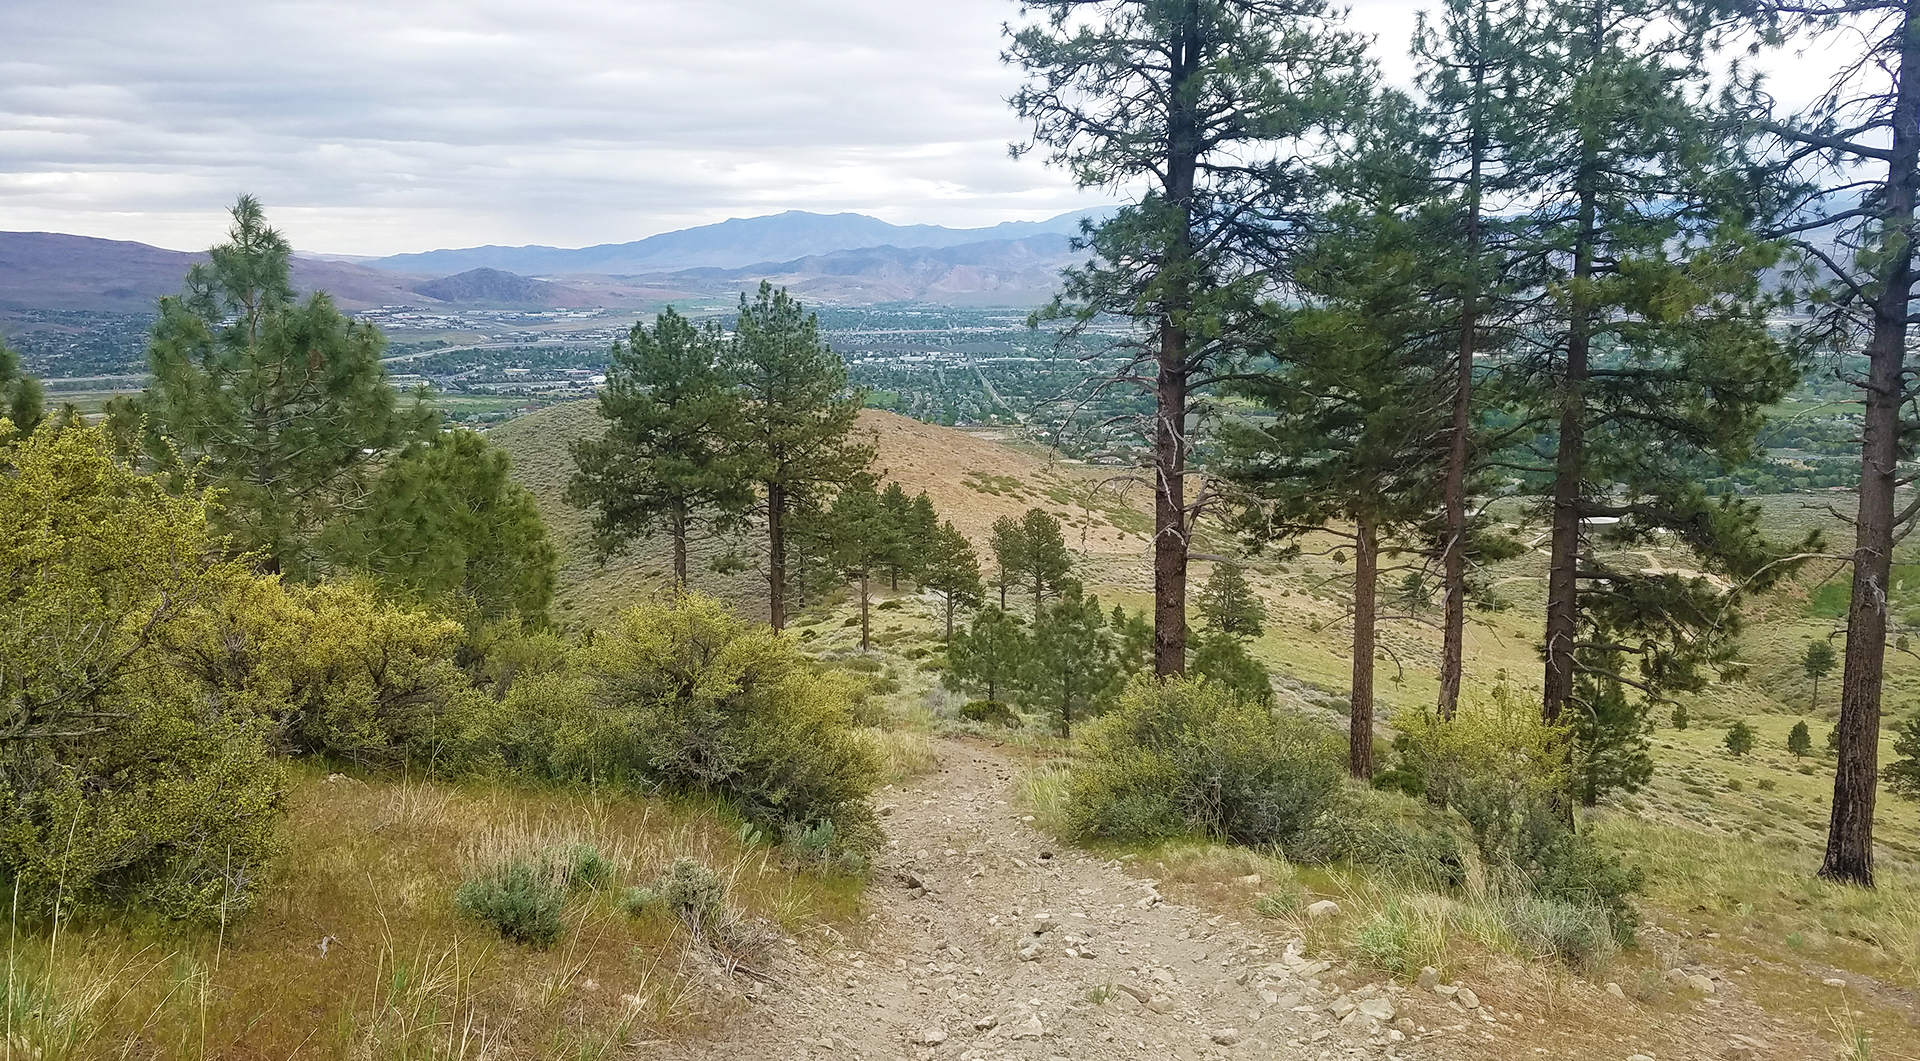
x: 1652, y: 363
x: 797, y: 436
x: 1212, y: 106
x: 1856, y: 156
x: 670, y: 457
x: 281, y: 405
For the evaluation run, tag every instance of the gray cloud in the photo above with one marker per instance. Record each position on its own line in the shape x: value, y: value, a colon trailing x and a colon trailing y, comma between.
x: 376, y: 126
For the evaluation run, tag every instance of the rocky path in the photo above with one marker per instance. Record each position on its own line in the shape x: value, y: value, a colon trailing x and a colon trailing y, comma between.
x: 988, y: 941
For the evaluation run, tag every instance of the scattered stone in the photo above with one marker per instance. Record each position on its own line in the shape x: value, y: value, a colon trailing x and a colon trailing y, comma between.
x: 1031, y: 1028
x: 986, y: 1022
x: 1467, y: 998
x: 908, y: 880
x: 1251, y: 880
x: 1834, y: 981
x: 1614, y: 990
x: 1161, y: 1005
x: 1322, y: 909
x: 1429, y: 978
x: 1043, y: 924
x: 1340, y: 1007
x: 1380, y: 1009
x: 885, y: 811
x: 1638, y: 1057
x: 1225, y: 1036
x: 1030, y: 952
x: 1675, y: 976
x: 1700, y: 983
x: 1445, y: 990
x: 933, y: 1036
x: 1140, y: 994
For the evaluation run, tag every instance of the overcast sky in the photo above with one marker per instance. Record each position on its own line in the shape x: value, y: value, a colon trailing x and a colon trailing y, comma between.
x: 378, y: 127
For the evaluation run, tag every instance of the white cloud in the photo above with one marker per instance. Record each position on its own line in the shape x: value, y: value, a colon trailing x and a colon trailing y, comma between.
x: 371, y: 126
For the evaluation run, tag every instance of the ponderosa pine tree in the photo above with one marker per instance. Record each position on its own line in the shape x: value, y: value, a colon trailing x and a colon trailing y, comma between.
x: 952, y: 570
x: 1652, y: 360
x: 797, y: 437
x: 1213, y: 106
x: 445, y: 520
x: 1856, y: 152
x: 1049, y: 567
x: 1816, y: 663
x: 21, y: 397
x: 669, y: 458
x: 1071, y: 669
x: 1354, y: 385
x: 1010, y: 555
x: 1228, y: 604
x: 988, y: 655
x: 863, y: 538
x: 1474, y: 77
x: 280, y: 405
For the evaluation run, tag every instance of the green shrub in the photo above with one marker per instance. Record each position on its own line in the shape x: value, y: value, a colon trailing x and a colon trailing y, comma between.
x: 1191, y: 757
x: 123, y: 783
x: 521, y: 898
x: 991, y: 713
x: 1739, y: 739
x: 1222, y: 658
x: 688, y: 698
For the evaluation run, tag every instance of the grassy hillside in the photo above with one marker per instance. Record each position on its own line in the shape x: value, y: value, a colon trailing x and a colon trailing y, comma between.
x: 1731, y: 843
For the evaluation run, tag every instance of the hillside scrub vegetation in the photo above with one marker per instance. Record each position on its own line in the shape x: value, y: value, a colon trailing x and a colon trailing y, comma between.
x: 155, y: 688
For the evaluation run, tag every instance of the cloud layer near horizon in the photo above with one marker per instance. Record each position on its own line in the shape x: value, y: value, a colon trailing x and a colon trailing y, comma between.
x: 371, y: 127
x: 374, y: 127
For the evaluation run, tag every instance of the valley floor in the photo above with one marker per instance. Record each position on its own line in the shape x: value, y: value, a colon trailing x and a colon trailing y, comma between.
x: 987, y: 940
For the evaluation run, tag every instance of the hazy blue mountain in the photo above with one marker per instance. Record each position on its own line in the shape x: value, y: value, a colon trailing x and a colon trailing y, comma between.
x: 732, y: 244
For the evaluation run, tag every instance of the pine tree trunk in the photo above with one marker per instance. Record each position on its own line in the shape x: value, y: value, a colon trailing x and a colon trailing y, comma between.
x: 680, y: 545
x: 776, y: 556
x: 1453, y: 623
x: 1366, y: 576
x: 949, y: 618
x: 1563, y: 569
x: 1170, y: 384
x: 863, y: 611
x: 1849, y: 856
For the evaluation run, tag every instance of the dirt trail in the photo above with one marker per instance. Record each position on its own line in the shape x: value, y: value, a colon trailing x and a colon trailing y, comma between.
x: 989, y: 941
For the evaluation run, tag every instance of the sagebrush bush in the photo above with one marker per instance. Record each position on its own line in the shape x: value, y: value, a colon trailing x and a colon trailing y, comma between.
x: 521, y: 898
x: 524, y: 896
x: 1192, y: 757
x: 696, y: 896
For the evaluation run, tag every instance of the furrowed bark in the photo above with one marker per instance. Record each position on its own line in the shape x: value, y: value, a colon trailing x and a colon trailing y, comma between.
x: 679, y: 531
x: 1453, y: 623
x: 1170, y: 516
x: 1366, y: 576
x: 776, y: 556
x: 1563, y: 586
x: 1849, y: 854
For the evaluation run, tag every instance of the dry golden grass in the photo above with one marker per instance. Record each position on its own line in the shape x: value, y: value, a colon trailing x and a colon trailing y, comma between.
x: 355, y: 951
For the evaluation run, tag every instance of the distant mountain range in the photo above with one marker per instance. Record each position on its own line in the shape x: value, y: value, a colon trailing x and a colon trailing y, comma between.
x: 839, y: 258
x: 51, y: 270
x: 733, y: 244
